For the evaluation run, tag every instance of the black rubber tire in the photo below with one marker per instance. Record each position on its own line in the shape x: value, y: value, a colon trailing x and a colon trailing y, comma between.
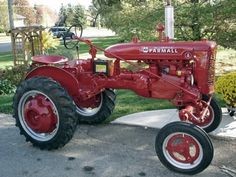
x: 65, y: 107
x: 194, y: 131
x: 106, y: 109
x: 217, y: 114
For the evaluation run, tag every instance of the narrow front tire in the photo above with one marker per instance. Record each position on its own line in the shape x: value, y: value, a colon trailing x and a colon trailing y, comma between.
x: 184, y: 148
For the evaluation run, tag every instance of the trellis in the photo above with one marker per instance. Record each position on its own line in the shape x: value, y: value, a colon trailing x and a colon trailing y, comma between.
x: 26, y: 42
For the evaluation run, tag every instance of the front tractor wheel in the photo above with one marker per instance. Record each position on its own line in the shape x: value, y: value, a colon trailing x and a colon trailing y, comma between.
x: 44, y: 113
x: 184, y: 148
x: 212, y: 118
x: 97, y: 109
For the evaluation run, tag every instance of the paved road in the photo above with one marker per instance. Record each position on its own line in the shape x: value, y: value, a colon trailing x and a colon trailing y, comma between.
x: 5, y: 47
x: 97, y: 151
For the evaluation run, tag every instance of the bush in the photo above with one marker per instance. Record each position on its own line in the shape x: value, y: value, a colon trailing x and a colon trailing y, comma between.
x: 2, y: 30
x: 6, y: 87
x: 226, y: 85
x: 14, y: 74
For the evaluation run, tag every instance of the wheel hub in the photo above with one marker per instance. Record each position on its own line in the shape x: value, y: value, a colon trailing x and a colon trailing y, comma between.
x: 183, y: 148
x: 39, y: 114
x: 194, y: 114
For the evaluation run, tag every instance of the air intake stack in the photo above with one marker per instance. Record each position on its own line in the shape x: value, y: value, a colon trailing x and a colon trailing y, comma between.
x: 169, y: 20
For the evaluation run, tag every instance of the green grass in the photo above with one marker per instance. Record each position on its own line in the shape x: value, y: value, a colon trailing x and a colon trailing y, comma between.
x: 6, y: 59
x: 128, y: 102
x: 83, y: 48
x: 6, y: 104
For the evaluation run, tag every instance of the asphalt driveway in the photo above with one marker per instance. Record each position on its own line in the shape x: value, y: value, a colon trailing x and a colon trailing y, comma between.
x: 98, y: 151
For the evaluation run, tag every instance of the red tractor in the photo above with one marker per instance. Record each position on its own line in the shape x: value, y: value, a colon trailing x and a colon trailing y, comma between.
x: 58, y: 93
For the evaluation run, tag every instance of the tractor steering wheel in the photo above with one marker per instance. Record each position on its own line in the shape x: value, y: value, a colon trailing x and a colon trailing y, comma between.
x: 69, y: 39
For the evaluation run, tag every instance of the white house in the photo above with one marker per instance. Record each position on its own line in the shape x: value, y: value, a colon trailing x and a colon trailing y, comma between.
x: 19, y: 20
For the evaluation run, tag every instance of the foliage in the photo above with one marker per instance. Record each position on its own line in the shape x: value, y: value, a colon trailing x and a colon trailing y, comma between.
x: 79, y: 15
x: 2, y: 30
x: 3, y: 16
x: 194, y: 19
x: 98, y: 7
x: 226, y: 85
x: 130, y: 18
x: 23, y: 8
x: 48, y: 41
x: 214, y: 20
x: 71, y: 15
x: 44, y: 15
x: 13, y: 74
x: 6, y: 87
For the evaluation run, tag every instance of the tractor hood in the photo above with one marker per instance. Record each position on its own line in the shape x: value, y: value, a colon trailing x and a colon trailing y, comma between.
x: 157, y: 50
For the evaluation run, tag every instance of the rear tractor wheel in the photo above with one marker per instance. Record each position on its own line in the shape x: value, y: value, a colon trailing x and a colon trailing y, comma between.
x: 44, y: 113
x: 97, y: 109
x: 184, y: 148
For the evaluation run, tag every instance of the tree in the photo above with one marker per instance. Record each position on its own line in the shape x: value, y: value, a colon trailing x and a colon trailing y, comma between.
x: 79, y: 15
x: 71, y: 15
x: 44, y: 15
x: 194, y: 19
x: 22, y: 7
x: 62, y: 16
x: 101, y: 6
x: 3, y: 16
x: 215, y: 20
x: 128, y: 17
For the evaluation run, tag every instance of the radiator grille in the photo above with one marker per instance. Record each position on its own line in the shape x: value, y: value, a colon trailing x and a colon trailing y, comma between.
x: 211, y: 69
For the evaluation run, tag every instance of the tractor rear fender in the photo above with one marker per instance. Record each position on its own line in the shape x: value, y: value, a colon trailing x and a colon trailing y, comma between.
x: 66, y: 79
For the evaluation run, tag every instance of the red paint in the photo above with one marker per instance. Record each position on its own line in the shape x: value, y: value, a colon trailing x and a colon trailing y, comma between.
x: 195, y: 114
x: 168, y: 72
x: 39, y: 114
x: 45, y: 59
x: 179, y: 148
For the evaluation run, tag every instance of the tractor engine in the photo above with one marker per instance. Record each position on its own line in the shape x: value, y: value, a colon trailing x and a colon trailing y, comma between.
x: 189, y: 65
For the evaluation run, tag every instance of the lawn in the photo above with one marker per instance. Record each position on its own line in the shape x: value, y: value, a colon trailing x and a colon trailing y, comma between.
x: 6, y: 103
x: 127, y: 102
x: 6, y: 59
x: 83, y: 48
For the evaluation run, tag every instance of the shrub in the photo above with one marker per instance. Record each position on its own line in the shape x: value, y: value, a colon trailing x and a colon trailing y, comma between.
x: 226, y: 85
x: 2, y: 30
x: 14, y: 74
x: 6, y: 87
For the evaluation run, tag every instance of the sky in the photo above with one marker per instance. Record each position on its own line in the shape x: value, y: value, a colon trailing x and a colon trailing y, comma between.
x: 56, y: 4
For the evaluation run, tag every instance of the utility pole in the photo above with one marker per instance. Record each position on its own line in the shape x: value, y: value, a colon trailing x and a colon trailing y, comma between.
x: 10, y: 14
x: 169, y: 20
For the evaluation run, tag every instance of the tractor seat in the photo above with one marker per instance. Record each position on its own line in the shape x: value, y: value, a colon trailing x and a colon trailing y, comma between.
x: 49, y: 59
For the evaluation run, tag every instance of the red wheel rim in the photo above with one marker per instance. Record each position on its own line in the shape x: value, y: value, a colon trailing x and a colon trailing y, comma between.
x: 208, y: 119
x: 182, y: 150
x: 91, y: 106
x: 38, y: 115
